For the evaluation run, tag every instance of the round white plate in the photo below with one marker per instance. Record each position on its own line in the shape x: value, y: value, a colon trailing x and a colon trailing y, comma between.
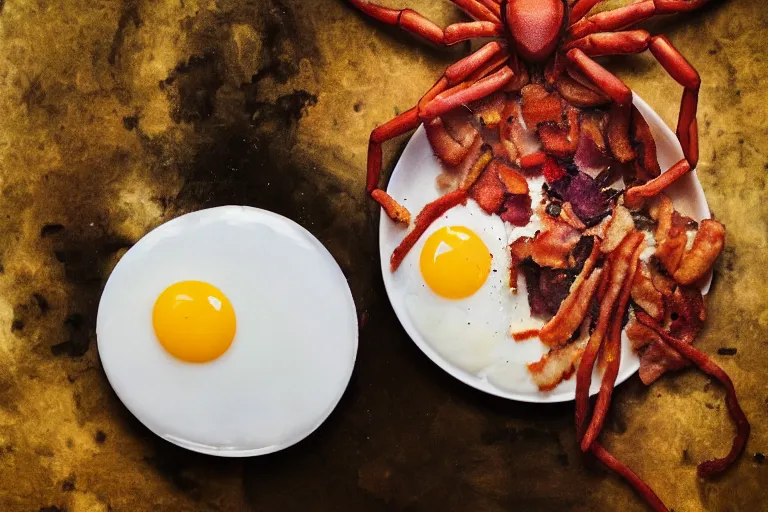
x: 293, y: 352
x: 416, y: 170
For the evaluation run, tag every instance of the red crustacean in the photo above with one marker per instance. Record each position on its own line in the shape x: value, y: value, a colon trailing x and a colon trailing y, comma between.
x: 539, y: 75
x: 557, y: 34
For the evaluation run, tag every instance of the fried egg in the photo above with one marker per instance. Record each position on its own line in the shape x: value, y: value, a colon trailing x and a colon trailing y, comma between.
x: 228, y: 331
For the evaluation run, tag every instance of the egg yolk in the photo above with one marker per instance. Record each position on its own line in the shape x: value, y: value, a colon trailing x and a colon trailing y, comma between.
x: 194, y: 321
x: 455, y: 262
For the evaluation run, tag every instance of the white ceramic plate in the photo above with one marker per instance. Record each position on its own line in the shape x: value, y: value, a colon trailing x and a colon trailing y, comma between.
x: 416, y: 170
x: 291, y: 357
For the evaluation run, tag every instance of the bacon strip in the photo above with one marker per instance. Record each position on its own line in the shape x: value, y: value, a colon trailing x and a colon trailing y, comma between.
x: 620, y: 266
x: 710, y: 467
x: 427, y: 216
x: 612, y: 355
x: 573, y: 309
x: 525, y: 335
x: 627, y: 474
x: 556, y: 366
x: 707, y: 246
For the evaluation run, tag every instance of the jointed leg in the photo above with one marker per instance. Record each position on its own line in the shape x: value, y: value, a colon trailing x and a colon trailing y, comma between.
x: 684, y: 74
x: 602, y: 78
x: 673, y: 6
x: 610, y: 21
x: 581, y: 8
x: 477, y: 10
x: 463, y: 94
x: 405, y: 122
x: 413, y: 22
x: 670, y: 59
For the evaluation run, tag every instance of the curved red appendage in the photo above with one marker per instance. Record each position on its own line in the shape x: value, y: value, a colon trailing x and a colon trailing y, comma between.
x: 627, y: 474
x: 710, y: 467
x: 612, y: 43
x: 613, y: 355
x: 407, y: 19
x: 427, y: 216
x: 493, y: 6
x: 687, y: 76
x: 673, y: 6
x: 601, y: 77
x: 477, y: 10
x: 463, y: 68
x: 458, y: 96
x: 610, y: 21
x: 405, y: 122
x: 581, y: 8
x: 459, y: 32
x: 657, y: 184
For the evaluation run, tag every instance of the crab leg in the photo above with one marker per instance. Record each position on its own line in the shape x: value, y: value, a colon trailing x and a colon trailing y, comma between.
x: 612, y: 43
x: 462, y: 94
x: 673, y: 6
x: 478, y: 11
x: 405, y: 122
x: 684, y: 74
x: 413, y: 22
x: 471, y: 63
x: 581, y: 8
x: 601, y: 77
x: 671, y: 60
x: 610, y: 21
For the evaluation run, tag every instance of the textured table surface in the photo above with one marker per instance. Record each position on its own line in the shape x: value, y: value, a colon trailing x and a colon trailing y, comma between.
x: 116, y: 116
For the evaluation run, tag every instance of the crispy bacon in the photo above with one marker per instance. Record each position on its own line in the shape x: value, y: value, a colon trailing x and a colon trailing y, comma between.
x: 513, y: 181
x: 427, y: 216
x: 558, y: 141
x: 707, y: 246
x: 556, y: 366
x: 446, y: 147
x: 573, y: 309
x: 584, y: 193
x: 620, y: 225
x: 551, y: 247
x: 612, y: 353
x: 392, y: 208
x: 637, y: 194
x: 568, y: 216
x: 619, y: 267
x: 618, y: 133
x: 488, y: 110
x: 540, y: 106
x: 714, y: 466
x: 687, y: 313
x: 517, y: 210
x: 525, y: 335
x: 488, y: 191
x: 646, y: 154
x: 519, y: 250
x: 646, y: 295
x: 477, y: 168
x: 670, y: 234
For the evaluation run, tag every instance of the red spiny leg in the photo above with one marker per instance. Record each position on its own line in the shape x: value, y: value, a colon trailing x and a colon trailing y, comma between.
x: 581, y: 8
x: 493, y: 6
x: 673, y: 6
x: 459, y: 32
x: 413, y: 22
x: 405, y: 122
x: 407, y: 19
x: 684, y: 74
x: 612, y: 43
x: 477, y: 10
x: 462, y: 94
x: 601, y: 77
x: 610, y: 21
x: 471, y: 63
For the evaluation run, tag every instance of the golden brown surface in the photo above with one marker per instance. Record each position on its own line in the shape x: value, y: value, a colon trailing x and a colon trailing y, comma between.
x: 116, y: 116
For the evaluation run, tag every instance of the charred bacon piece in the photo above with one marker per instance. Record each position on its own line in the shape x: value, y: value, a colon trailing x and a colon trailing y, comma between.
x: 584, y: 194
x: 710, y: 467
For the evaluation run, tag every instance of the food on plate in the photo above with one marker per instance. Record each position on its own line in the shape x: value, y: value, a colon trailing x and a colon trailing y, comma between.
x: 599, y: 241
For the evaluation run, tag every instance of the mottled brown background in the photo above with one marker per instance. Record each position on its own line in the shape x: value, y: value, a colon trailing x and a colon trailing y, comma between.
x: 116, y: 116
